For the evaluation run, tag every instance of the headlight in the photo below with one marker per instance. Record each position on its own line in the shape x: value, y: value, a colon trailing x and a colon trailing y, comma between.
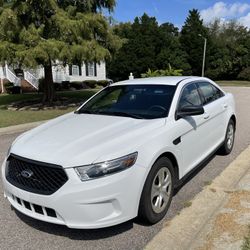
x: 106, y: 168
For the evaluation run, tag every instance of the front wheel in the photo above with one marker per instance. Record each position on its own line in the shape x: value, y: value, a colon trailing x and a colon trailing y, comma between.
x: 157, y: 192
x: 228, y: 143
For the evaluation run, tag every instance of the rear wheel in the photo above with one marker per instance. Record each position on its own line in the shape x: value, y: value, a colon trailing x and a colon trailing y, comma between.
x: 228, y: 144
x: 157, y: 192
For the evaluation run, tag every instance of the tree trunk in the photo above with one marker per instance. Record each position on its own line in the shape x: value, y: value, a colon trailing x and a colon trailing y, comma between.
x: 49, y: 90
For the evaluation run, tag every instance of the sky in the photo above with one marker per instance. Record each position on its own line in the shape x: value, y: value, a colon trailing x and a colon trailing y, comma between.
x: 176, y: 11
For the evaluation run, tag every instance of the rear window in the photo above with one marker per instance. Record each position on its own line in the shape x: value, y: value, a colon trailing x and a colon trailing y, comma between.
x: 210, y: 92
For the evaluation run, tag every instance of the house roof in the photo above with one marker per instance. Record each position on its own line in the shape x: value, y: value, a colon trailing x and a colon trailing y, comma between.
x: 166, y: 80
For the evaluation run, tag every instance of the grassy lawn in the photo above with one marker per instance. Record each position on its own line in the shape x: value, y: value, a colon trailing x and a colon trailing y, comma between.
x: 6, y: 99
x: 8, y: 117
x: 246, y: 243
x: 234, y: 83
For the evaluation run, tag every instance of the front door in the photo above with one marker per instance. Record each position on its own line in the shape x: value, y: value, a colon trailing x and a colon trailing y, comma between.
x: 191, y: 129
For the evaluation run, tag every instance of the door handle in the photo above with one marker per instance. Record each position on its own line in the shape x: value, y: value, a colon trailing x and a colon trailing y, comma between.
x: 206, y: 116
x: 225, y: 105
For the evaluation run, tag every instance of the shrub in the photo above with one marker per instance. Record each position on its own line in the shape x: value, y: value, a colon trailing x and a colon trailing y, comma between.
x: 9, y: 87
x: 213, y: 74
x: 91, y: 83
x: 65, y: 85
x: 167, y: 72
x: 16, y: 90
x: 57, y: 86
x: 244, y: 74
x: 103, y: 83
x: 76, y: 85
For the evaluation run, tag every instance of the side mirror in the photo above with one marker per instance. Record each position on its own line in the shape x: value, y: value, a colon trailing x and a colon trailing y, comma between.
x: 189, y: 111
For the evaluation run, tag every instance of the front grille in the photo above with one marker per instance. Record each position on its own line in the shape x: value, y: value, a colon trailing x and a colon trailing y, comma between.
x: 35, y: 208
x: 33, y: 176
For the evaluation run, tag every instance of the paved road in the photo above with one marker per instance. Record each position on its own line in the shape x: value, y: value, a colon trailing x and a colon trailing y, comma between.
x: 20, y: 232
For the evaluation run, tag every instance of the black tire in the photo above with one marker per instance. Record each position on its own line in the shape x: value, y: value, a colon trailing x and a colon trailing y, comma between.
x: 146, y: 211
x: 227, y: 147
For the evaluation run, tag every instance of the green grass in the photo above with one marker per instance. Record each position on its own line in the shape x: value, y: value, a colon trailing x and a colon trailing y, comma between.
x: 9, y: 118
x: 6, y: 99
x: 207, y: 183
x: 187, y: 204
x: 235, y: 83
x: 246, y: 243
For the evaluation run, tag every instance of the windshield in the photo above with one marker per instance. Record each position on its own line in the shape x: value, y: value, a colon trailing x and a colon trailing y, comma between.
x: 136, y: 101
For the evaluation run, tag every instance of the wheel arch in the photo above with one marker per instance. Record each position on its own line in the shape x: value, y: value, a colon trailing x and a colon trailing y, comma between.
x: 174, y: 161
x: 233, y: 118
x: 173, y: 158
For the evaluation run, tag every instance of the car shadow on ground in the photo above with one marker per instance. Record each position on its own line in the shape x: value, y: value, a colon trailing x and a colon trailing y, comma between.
x: 75, y: 234
x: 94, y: 234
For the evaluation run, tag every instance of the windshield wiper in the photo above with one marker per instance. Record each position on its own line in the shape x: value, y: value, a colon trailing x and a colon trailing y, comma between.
x: 115, y: 113
x: 85, y: 112
x: 120, y: 113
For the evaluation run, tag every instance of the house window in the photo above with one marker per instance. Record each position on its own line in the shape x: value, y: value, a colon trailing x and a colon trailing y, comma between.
x: 91, y: 69
x: 75, y: 70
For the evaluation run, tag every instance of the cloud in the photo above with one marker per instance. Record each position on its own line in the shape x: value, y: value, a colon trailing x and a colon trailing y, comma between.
x: 222, y: 10
x: 245, y: 20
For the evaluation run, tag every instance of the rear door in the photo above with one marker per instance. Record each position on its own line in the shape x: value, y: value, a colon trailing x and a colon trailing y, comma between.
x: 215, y: 108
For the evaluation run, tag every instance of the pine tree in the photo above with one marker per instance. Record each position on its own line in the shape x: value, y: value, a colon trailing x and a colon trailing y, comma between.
x: 191, y: 42
x: 146, y: 46
x: 88, y: 5
x: 39, y: 33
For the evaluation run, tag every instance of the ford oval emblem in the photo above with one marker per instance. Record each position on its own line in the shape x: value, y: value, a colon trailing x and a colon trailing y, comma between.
x: 27, y: 173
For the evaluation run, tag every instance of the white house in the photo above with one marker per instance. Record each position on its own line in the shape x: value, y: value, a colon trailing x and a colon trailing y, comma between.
x: 86, y: 71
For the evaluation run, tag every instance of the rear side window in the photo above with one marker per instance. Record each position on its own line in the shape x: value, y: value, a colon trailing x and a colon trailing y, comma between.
x: 217, y: 92
x: 210, y: 92
x: 190, y: 96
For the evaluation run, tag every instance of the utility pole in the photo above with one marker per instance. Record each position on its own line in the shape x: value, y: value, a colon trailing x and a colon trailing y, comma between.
x: 204, y: 55
x: 1, y: 79
x: 2, y: 90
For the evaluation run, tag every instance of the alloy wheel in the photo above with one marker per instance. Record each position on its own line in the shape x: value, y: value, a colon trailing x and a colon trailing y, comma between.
x: 230, y: 136
x: 161, y: 190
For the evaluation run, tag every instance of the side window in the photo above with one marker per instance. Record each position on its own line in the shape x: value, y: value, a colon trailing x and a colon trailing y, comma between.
x: 217, y: 92
x: 210, y: 92
x: 190, y: 96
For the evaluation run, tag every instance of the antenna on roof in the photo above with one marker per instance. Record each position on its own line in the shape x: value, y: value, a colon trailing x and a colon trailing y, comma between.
x: 131, y: 77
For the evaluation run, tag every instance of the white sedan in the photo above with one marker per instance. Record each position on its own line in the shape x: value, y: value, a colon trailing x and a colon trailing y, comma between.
x: 121, y: 154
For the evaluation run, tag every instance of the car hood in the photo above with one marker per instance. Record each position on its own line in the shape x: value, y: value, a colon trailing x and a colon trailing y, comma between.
x: 81, y: 139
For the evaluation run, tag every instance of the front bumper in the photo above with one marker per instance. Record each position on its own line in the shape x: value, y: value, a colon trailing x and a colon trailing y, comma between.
x: 92, y: 204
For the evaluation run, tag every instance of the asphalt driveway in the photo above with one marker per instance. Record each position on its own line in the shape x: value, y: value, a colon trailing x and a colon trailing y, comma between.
x: 20, y: 232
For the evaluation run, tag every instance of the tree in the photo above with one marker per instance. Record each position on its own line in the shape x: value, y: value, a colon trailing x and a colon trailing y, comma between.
x: 230, y: 49
x: 138, y: 52
x: 87, y: 5
x: 171, y: 52
x: 34, y: 33
x: 146, y: 46
x: 244, y: 74
x: 167, y: 72
x: 191, y: 42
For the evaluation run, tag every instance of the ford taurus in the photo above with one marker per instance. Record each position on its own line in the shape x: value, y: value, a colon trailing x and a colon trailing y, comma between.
x: 121, y: 154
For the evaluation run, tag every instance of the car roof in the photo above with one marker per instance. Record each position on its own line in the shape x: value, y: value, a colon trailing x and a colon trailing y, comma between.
x: 165, y: 80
